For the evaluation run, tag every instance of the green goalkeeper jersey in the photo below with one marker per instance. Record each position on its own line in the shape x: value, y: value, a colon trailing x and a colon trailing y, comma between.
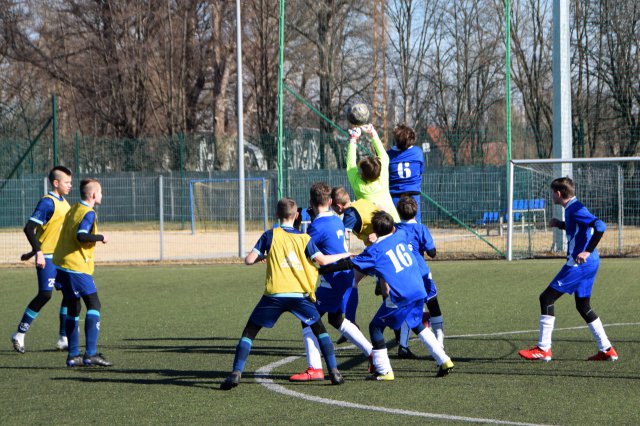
x: 376, y: 191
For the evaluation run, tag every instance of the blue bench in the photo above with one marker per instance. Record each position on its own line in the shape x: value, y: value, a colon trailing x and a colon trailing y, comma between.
x: 491, y: 220
x: 522, y: 209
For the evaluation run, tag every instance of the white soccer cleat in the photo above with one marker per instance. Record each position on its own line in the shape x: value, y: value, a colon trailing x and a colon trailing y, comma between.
x: 18, y: 342
x: 62, y: 344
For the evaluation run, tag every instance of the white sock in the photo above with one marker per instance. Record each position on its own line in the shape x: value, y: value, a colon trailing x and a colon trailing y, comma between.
x: 404, y: 335
x: 429, y: 340
x: 597, y: 329
x: 355, y: 336
x: 381, y: 361
x: 546, y: 330
x: 437, y: 326
x: 312, y: 347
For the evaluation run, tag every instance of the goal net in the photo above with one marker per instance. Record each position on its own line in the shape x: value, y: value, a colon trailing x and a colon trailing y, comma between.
x: 214, y: 204
x: 608, y: 187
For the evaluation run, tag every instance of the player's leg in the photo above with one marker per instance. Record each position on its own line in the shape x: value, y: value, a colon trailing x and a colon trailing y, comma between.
x: 92, y: 331
x: 434, y: 315
x: 606, y: 352
x: 72, y: 320
x: 350, y: 331
x: 547, y: 321
x: 62, y: 344
x: 326, y: 347
x: 403, y: 342
x: 379, y: 355
x: 46, y: 279
x: 265, y: 314
x: 350, y: 312
x: 413, y: 318
x: 314, y: 359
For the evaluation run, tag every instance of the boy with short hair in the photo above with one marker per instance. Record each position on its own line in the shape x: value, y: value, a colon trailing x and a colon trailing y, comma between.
x: 43, y: 231
x: 328, y: 233
x: 577, y: 276
x: 392, y: 261
x: 290, y: 286
x: 74, y: 259
x: 370, y: 177
x: 406, y: 164
x: 421, y: 242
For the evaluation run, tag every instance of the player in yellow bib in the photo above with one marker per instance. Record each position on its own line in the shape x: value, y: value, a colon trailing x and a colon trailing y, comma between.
x: 289, y: 287
x: 42, y: 231
x: 74, y: 259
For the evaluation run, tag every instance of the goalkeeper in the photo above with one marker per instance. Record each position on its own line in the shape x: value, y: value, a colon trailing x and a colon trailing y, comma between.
x: 369, y: 178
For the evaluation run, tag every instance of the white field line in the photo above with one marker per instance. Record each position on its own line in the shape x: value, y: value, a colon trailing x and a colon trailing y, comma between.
x: 262, y: 377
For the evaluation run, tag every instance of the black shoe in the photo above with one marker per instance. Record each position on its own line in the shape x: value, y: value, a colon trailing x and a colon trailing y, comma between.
x: 336, y: 377
x: 96, y: 359
x: 445, y: 368
x: 405, y: 353
x: 341, y: 340
x: 231, y: 381
x: 75, y: 361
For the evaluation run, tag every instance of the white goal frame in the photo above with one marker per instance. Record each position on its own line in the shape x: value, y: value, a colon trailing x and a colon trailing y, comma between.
x: 512, y: 165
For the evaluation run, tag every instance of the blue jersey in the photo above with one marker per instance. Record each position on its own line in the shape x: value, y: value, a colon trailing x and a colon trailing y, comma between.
x: 579, y: 225
x: 352, y: 220
x: 44, y: 210
x: 263, y: 245
x: 420, y: 241
x: 391, y: 259
x: 405, y: 170
x: 327, y: 232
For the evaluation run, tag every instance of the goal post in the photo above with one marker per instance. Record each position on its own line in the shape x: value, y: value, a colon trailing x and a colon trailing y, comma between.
x: 609, y: 188
x: 211, y: 205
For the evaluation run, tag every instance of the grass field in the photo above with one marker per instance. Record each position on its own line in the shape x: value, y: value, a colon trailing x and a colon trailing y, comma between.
x: 171, y: 333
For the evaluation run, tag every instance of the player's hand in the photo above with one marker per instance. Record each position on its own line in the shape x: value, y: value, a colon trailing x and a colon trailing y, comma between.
x: 105, y: 238
x: 582, y: 257
x: 372, y: 237
x: 555, y: 223
x: 370, y: 130
x: 40, y: 262
x: 354, y: 134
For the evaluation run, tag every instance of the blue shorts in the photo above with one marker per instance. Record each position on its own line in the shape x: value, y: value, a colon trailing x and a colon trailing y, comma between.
x: 333, y: 297
x: 430, y: 287
x: 269, y: 309
x: 47, y: 276
x: 76, y: 285
x: 392, y: 316
x: 576, y: 279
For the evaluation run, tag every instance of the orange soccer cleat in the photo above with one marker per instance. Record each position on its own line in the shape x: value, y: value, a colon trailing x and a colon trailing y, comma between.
x: 608, y: 355
x: 535, y: 353
x: 310, y: 374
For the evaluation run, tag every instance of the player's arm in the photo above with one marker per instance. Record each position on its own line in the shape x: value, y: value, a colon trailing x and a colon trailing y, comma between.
x: 253, y: 257
x: 258, y: 252
x: 41, y: 215
x: 85, y: 230
x: 598, y: 231
x: 556, y: 223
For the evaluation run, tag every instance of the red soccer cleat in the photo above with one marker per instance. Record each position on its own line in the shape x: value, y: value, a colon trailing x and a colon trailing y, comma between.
x: 311, y: 374
x: 535, y: 353
x: 609, y: 355
x: 371, y: 368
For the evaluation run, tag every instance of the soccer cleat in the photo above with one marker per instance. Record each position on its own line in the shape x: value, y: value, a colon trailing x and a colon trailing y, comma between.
x: 18, y: 342
x: 74, y: 361
x: 309, y: 375
x: 62, y: 344
x: 371, y: 368
x: 608, y: 355
x: 96, y: 359
x: 386, y: 377
x: 336, y: 377
x: 341, y: 340
x: 445, y: 368
x: 535, y: 353
x: 231, y: 381
x: 405, y: 353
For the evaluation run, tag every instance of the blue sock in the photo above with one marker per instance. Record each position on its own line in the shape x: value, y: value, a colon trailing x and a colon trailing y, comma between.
x: 73, y: 334
x: 63, y: 317
x: 326, y: 347
x: 27, y: 319
x: 352, y: 305
x: 242, y: 353
x: 92, y: 330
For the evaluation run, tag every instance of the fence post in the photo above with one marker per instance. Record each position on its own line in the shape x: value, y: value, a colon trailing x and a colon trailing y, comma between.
x: 620, y: 207
x: 161, y: 214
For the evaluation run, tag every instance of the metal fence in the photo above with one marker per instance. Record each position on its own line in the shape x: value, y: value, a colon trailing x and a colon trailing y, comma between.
x: 149, y: 216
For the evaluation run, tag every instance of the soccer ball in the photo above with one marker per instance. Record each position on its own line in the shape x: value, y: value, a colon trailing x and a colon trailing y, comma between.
x: 358, y: 114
